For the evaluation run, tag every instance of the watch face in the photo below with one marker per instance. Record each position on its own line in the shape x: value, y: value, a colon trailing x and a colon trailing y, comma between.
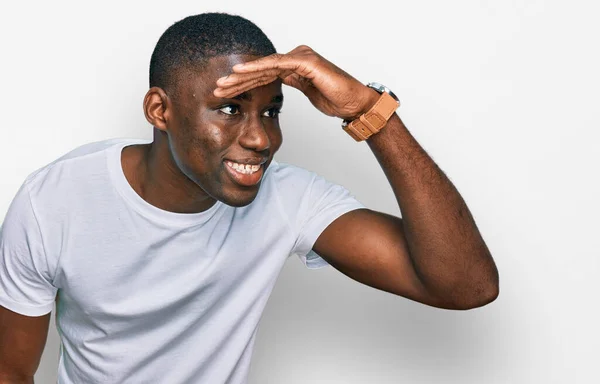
x: 382, y: 88
x: 376, y: 86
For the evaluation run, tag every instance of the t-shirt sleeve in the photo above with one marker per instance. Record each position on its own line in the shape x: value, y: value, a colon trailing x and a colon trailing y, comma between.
x: 317, y: 204
x: 25, y: 280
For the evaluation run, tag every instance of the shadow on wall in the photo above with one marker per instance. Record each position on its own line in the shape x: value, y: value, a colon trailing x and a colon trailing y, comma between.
x: 320, y: 326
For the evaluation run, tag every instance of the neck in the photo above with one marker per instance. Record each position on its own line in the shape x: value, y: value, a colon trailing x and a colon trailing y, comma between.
x: 152, y: 173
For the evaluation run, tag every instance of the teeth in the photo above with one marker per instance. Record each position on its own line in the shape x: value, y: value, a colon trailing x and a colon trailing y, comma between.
x: 243, y: 168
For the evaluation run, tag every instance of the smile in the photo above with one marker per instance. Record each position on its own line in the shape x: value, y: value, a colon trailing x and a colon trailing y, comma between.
x: 246, y: 169
x: 244, y: 174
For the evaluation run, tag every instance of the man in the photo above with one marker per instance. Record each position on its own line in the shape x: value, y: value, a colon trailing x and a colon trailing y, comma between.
x: 161, y: 255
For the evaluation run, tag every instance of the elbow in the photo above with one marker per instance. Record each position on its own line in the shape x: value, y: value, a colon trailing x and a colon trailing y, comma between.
x: 478, y: 297
x: 481, y: 289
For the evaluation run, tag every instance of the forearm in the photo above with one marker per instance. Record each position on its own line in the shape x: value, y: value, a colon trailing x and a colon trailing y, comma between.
x: 450, y: 259
x: 448, y: 253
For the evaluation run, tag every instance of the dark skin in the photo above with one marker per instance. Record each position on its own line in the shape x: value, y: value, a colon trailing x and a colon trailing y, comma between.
x: 434, y: 254
x: 22, y: 341
x: 183, y: 170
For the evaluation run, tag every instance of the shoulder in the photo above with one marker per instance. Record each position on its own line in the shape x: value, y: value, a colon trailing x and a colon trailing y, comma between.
x: 300, y: 191
x: 299, y: 183
x: 288, y: 173
x: 74, y: 167
x: 74, y: 182
x: 288, y: 182
x: 288, y: 178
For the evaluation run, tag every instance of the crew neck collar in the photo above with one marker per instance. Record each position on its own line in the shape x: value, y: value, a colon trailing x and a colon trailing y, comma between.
x: 144, y: 208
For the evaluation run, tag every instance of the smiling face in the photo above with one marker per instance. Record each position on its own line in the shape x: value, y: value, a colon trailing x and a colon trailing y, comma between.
x: 224, y: 146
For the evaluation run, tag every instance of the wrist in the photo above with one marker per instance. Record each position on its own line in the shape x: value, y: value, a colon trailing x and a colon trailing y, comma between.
x: 370, y: 98
x: 377, y: 112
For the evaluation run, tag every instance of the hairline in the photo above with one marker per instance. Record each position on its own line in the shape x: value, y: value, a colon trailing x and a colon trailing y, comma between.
x: 195, y: 68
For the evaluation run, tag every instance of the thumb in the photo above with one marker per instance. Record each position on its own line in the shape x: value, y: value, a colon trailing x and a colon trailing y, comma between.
x: 300, y: 83
x: 305, y: 86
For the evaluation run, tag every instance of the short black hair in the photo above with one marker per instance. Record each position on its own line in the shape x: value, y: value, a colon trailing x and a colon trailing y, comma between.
x: 190, y: 42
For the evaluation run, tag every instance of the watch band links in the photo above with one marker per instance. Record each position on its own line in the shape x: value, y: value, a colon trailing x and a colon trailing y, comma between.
x: 374, y: 120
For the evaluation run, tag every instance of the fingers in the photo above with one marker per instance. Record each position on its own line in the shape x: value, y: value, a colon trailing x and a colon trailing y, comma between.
x: 237, y: 78
x: 235, y: 84
x: 301, y: 83
x: 238, y: 83
x: 302, y: 60
x: 238, y: 88
x: 293, y: 80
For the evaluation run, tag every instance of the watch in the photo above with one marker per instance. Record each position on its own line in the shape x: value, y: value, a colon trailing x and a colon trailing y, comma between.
x: 376, y: 118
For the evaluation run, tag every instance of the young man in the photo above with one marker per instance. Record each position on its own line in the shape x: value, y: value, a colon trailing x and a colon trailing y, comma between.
x: 161, y: 255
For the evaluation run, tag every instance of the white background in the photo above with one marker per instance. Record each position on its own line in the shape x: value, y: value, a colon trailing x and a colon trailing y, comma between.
x: 504, y: 95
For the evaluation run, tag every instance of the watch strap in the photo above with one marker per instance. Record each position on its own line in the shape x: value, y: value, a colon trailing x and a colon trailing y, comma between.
x: 374, y: 120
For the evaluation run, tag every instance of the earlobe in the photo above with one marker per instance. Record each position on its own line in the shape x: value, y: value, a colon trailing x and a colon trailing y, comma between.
x: 155, y: 108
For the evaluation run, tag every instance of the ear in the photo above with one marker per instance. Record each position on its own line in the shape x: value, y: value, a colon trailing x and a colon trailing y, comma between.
x: 156, y: 109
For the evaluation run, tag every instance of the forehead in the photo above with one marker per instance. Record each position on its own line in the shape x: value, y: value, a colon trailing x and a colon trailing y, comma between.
x: 201, y: 80
x: 222, y: 65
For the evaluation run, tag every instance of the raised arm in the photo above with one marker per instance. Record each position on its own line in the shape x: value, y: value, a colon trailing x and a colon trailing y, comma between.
x: 435, y: 253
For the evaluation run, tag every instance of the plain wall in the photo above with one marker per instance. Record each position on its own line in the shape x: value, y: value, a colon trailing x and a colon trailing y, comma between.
x: 503, y: 95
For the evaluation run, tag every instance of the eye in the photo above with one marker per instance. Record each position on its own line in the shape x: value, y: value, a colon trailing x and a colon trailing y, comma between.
x: 230, y: 109
x: 272, y: 113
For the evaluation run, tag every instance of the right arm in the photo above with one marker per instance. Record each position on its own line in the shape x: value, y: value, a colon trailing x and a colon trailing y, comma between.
x: 22, y: 341
x: 27, y: 295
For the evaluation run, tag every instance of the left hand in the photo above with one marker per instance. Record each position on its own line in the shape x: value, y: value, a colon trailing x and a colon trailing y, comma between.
x: 330, y: 89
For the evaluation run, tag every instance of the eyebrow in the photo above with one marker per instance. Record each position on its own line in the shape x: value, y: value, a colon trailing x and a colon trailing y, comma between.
x: 243, y: 96
x: 248, y: 97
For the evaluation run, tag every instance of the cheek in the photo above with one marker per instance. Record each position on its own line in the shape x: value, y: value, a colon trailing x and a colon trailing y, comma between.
x: 197, y: 134
x: 214, y: 135
x: 202, y: 145
x: 276, y: 139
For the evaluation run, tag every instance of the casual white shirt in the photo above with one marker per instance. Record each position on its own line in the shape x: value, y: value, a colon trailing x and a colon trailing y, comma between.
x: 146, y: 295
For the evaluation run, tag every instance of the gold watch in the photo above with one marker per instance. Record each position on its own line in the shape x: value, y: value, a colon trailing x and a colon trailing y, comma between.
x: 376, y: 118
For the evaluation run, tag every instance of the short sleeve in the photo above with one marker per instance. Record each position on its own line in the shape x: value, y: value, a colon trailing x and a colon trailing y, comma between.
x: 312, y: 203
x: 25, y: 279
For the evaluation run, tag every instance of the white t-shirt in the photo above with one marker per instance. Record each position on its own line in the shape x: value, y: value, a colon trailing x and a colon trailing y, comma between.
x: 147, y: 295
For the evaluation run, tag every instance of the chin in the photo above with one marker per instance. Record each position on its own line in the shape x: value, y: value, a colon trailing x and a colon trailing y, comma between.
x: 239, y: 199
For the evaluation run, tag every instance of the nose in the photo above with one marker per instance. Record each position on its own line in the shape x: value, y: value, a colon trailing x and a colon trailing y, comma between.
x: 254, y: 135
